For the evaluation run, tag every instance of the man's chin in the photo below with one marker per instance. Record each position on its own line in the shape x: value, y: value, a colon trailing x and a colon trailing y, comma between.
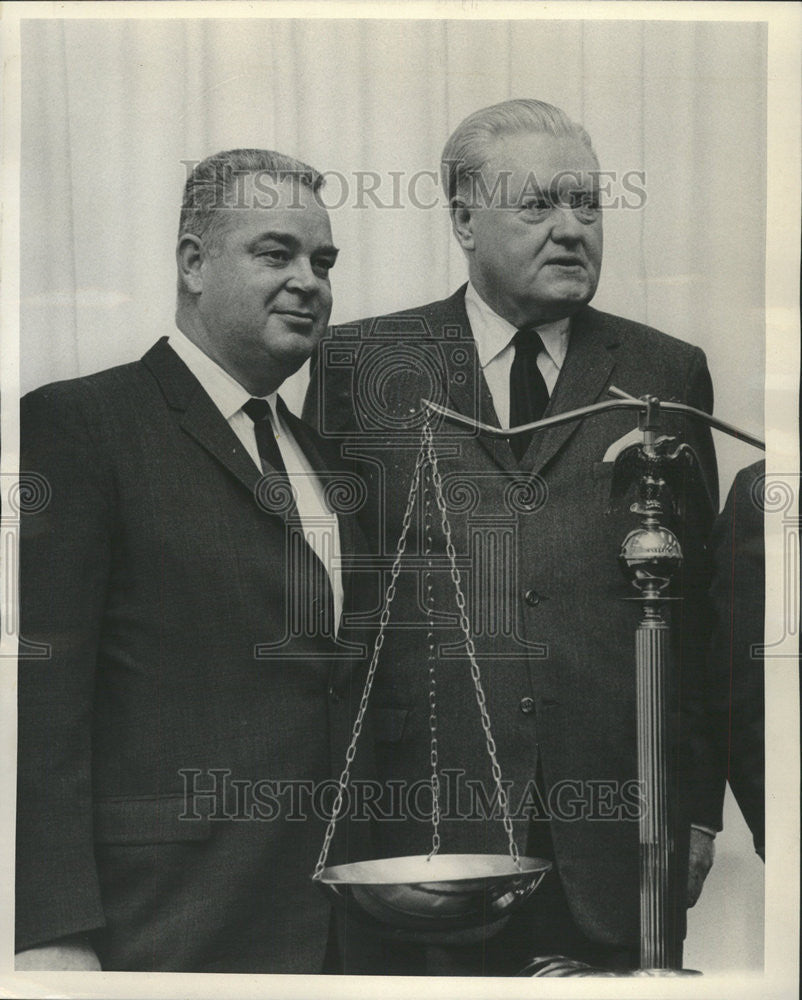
x: 572, y: 289
x: 293, y: 349
x: 566, y: 303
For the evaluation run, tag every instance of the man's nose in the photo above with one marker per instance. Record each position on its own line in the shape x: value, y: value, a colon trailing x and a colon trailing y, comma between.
x: 302, y: 276
x: 564, y: 224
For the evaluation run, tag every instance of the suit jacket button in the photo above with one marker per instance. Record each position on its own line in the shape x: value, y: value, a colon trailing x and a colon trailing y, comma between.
x: 334, y: 694
x: 527, y: 705
x: 532, y: 598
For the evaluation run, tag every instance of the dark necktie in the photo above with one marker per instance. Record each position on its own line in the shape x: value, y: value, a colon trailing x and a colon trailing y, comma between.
x: 259, y: 412
x: 311, y: 610
x: 529, y: 396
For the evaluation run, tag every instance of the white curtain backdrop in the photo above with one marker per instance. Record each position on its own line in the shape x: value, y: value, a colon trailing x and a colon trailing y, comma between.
x: 112, y: 110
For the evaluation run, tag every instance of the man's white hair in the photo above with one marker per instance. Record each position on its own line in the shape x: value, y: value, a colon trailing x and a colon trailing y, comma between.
x: 469, y: 148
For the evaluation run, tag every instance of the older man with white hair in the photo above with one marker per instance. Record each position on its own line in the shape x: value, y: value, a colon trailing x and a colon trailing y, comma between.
x: 537, y: 546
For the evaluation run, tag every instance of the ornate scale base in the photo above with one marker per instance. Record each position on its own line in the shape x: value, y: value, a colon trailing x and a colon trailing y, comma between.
x: 665, y: 973
x: 560, y: 967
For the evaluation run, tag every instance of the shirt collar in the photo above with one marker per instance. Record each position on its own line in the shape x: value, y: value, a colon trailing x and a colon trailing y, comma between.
x: 224, y: 390
x: 493, y: 334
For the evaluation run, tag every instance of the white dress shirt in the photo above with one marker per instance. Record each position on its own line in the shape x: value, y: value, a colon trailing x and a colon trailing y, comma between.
x: 320, y: 524
x: 493, y: 336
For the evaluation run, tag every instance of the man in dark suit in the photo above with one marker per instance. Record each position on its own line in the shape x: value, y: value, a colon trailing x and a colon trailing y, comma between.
x: 186, y: 693
x: 535, y: 542
x: 736, y: 726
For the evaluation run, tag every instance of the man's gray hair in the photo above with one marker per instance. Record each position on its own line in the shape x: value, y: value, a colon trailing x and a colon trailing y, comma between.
x: 469, y: 148
x: 210, y: 186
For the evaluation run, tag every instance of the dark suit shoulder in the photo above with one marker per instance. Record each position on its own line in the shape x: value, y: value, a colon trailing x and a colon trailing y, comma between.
x: 334, y: 382
x: 738, y: 529
x: 417, y: 320
x: 637, y: 335
x: 748, y: 485
x: 652, y: 361
x: 63, y: 423
x: 106, y: 384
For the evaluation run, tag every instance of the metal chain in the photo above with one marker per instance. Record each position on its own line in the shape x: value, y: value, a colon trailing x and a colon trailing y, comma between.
x: 363, y: 704
x: 433, y: 751
x: 428, y: 439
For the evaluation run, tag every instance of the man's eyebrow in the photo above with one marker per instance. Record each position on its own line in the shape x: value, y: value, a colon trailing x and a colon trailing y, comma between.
x: 556, y: 193
x: 576, y: 184
x: 289, y: 240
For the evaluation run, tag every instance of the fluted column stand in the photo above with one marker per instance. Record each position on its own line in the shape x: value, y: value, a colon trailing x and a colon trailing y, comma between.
x: 656, y: 840
x: 650, y: 557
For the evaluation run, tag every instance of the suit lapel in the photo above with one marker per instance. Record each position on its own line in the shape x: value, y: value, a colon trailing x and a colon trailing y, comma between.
x: 469, y: 396
x: 584, y: 377
x: 200, y: 418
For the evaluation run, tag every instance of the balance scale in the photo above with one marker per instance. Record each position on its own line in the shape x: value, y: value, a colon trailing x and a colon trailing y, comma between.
x: 451, y: 898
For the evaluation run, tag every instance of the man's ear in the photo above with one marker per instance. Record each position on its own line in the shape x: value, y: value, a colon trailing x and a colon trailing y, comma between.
x: 189, y: 257
x: 462, y: 222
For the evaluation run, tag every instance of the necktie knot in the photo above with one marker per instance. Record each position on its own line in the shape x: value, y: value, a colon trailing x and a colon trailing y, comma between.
x: 263, y: 427
x: 528, y: 339
x: 257, y: 409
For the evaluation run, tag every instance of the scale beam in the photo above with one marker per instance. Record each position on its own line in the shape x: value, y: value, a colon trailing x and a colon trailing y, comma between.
x: 623, y: 402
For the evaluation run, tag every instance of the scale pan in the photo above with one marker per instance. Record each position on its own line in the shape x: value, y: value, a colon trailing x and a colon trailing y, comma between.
x: 420, y: 898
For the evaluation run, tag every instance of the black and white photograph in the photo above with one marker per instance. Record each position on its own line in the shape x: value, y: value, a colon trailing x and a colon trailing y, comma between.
x: 400, y: 499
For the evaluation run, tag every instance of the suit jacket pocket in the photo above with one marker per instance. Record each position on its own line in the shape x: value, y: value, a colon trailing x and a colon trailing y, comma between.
x: 151, y: 819
x: 389, y: 724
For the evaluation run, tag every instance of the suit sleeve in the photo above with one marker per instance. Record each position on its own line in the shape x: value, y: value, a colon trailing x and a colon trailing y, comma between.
x: 735, y: 695
x: 65, y: 554
x: 701, y: 779
x: 739, y: 604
